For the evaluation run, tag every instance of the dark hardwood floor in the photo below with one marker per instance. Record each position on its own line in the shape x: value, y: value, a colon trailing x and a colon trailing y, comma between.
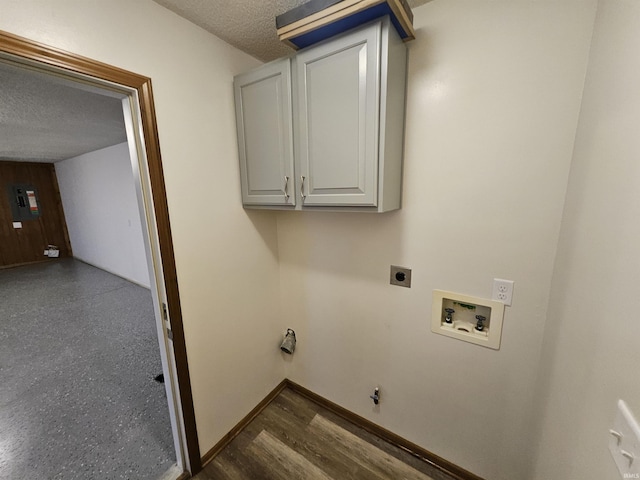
x: 294, y: 438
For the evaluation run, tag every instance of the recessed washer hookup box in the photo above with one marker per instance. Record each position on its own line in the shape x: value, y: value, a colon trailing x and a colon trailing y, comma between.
x: 317, y: 20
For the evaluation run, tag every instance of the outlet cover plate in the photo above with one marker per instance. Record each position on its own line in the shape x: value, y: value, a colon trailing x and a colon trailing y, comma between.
x: 400, y: 276
x: 502, y: 291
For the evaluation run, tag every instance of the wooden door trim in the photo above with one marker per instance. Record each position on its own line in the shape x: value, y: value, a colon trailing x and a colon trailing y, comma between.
x: 76, y: 64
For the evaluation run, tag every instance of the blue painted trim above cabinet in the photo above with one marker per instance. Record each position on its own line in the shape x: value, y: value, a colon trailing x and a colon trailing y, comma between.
x: 348, y: 23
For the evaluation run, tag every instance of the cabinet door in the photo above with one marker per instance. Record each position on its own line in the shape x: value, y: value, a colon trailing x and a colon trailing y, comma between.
x: 337, y: 102
x: 263, y: 120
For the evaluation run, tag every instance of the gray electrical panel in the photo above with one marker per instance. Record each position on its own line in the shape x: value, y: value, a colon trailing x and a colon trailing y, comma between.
x: 24, y: 202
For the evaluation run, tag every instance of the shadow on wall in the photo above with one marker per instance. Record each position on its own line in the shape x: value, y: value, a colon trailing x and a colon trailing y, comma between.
x: 360, y: 241
x: 264, y: 222
x: 424, y: 60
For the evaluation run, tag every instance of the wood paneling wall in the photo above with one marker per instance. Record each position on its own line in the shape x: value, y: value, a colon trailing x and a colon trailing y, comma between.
x: 27, y: 244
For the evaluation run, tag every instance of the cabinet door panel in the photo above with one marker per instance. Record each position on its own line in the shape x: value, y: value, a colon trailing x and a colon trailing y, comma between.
x: 338, y: 104
x: 263, y: 117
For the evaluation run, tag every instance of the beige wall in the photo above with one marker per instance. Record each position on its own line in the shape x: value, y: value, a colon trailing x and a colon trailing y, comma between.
x: 494, y: 95
x: 226, y: 259
x: 591, y: 353
x: 493, y: 100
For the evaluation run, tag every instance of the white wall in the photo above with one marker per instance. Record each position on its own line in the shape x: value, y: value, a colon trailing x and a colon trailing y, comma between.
x: 226, y: 260
x: 591, y: 354
x: 101, y: 209
x: 493, y: 100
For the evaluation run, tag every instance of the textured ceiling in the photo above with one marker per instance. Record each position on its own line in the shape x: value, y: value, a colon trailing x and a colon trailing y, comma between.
x: 249, y: 25
x: 46, y: 119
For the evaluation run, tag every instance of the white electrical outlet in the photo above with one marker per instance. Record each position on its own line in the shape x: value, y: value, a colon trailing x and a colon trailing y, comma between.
x: 502, y: 291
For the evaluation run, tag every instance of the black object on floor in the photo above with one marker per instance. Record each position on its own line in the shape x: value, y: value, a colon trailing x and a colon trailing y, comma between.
x: 159, y: 378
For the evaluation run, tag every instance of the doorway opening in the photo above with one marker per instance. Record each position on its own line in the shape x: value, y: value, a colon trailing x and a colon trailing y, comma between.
x: 137, y: 100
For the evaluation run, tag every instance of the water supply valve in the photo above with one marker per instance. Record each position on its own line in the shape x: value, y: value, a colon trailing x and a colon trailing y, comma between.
x: 376, y: 395
x: 449, y: 317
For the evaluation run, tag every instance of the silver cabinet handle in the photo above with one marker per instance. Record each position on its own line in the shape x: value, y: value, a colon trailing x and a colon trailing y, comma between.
x: 286, y: 185
x: 302, y: 187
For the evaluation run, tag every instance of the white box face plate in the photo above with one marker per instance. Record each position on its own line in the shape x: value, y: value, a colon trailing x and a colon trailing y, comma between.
x: 464, y: 318
x: 624, y: 442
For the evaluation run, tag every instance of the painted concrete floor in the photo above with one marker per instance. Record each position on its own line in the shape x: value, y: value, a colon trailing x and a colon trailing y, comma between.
x: 78, y: 357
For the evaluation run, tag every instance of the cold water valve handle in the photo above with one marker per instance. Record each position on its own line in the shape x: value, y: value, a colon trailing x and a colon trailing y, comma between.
x: 480, y: 324
x: 449, y: 317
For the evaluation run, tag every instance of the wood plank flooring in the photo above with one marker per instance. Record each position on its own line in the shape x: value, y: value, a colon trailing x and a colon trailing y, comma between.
x: 294, y: 438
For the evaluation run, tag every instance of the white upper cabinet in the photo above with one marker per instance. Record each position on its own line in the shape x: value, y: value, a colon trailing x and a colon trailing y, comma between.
x: 265, y: 144
x: 348, y: 125
x: 337, y: 124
